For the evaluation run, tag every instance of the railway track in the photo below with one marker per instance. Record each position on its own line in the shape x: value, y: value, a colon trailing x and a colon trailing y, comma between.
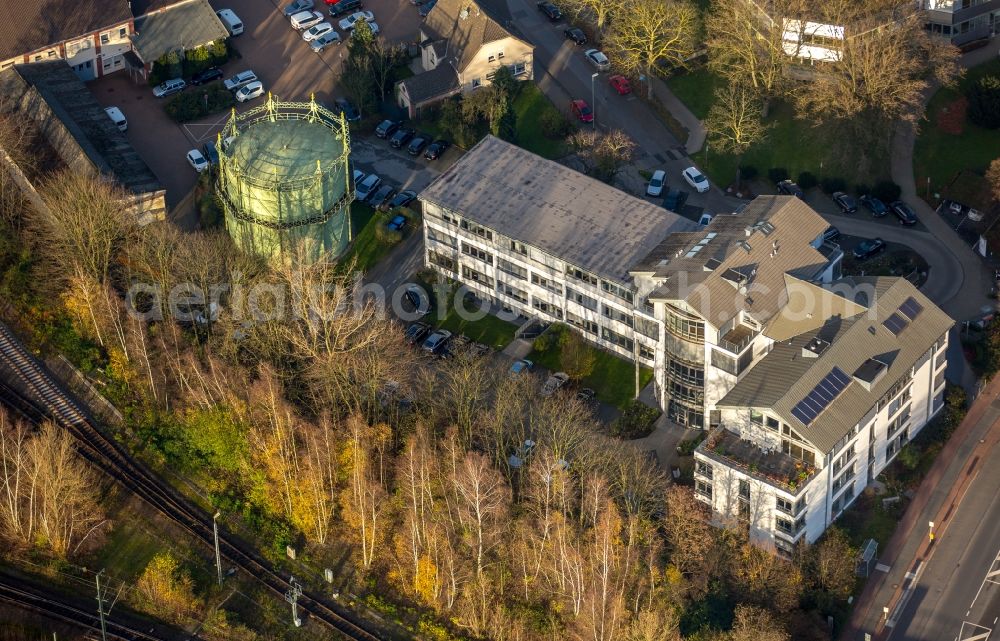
x: 46, y: 399
x: 26, y: 598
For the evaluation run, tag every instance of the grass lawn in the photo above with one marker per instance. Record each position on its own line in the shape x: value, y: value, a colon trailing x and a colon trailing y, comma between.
x: 867, y: 519
x: 529, y: 106
x: 613, y: 378
x: 488, y: 330
x: 365, y: 248
x: 128, y: 548
x: 941, y: 155
x: 794, y: 144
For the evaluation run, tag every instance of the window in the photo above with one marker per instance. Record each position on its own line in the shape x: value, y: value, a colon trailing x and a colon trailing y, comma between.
x: 756, y: 417
x: 546, y: 307
x: 441, y: 260
x: 122, y: 33
x: 478, y: 230
x: 38, y: 57
x: 499, y: 54
x: 519, y: 247
x: 844, y: 478
x: 477, y: 83
x: 517, y: 294
x: 581, y: 275
x: 582, y: 299
x: 703, y: 489
x: 646, y: 353
x: 686, y: 373
x: 477, y: 253
x: 894, y: 390
x: 615, y: 289
x: 618, y: 315
x: 491, y: 59
x: 784, y: 505
x: 693, y: 395
x: 105, y: 38
x: 703, y: 468
x: 647, y: 328
x: 897, y: 423
x: 52, y: 53
x: 798, y: 452
x: 617, y: 339
x: 897, y: 402
x: 514, y: 270
x: 785, y: 526
x: 518, y: 68
x: 469, y: 273
x: 724, y: 362
x: 548, y: 284
x: 772, y: 424
x: 584, y: 324
x: 744, y: 489
x: 843, y: 460
x: 684, y: 325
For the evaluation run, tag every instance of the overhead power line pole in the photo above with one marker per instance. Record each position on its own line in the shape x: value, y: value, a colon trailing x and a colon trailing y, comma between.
x: 292, y: 596
x: 100, y: 607
x: 218, y: 558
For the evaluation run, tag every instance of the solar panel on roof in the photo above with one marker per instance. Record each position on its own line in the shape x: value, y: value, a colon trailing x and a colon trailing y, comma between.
x: 825, y: 392
x: 895, y: 323
x: 911, y: 308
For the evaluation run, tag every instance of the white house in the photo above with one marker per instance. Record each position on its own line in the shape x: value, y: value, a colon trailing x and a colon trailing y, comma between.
x: 736, y: 319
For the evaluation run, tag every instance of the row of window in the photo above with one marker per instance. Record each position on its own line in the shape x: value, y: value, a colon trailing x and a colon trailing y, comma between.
x: 684, y: 325
x: 686, y: 373
x: 477, y: 253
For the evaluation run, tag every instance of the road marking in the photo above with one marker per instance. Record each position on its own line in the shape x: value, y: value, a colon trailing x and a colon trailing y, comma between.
x: 975, y: 632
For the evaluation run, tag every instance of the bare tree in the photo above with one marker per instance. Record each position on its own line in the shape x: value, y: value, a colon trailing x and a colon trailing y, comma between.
x: 595, y: 11
x: 735, y: 121
x: 652, y: 33
x: 604, y: 154
x: 483, y: 501
x: 755, y: 624
x: 993, y: 178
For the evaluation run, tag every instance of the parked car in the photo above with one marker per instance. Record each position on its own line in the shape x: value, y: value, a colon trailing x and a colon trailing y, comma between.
x: 386, y: 128
x: 576, y: 35
x: 696, y: 179
x: 344, y: 7
x: 348, y: 23
x: 554, y: 383
x: 436, y: 342
x: 522, y: 366
x: 831, y: 234
x: 382, y: 196
x: 789, y: 188
x: 581, y: 110
x: 705, y: 220
x: 551, y: 11
x: 206, y: 76
x: 656, y: 183
x: 401, y: 137
x: 366, y: 187
x: 211, y: 153
x: 874, y: 205
x: 358, y: 176
x: 344, y: 106
x: 426, y: 7
x: 250, y: 91
x: 297, y: 7
x: 327, y: 39
x: 620, y: 84
x: 397, y: 223
x: 846, y: 202
x: 868, y: 248
x: 168, y: 87
x: 416, y: 332
x: 403, y: 199
x: 197, y: 161
x: 587, y: 396
x: 417, y: 144
x: 598, y: 59
x: 903, y: 212
x: 305, y: 19
x: 230, y: 21
x: 435, y: 149
x: 239, y: 80
x: 316, y: 31
x: 675, y: 200
x: 117, y: 117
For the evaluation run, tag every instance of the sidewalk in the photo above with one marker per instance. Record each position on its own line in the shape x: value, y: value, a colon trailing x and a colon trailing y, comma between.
x: 680, y: 111
x: 939, y: 492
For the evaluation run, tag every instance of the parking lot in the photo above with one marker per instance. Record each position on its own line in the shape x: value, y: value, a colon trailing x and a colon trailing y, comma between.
x: 287, y: 67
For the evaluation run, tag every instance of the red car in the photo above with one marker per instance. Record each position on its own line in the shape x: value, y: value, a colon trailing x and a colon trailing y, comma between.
x: 582, y: 111
x: 621, y: 85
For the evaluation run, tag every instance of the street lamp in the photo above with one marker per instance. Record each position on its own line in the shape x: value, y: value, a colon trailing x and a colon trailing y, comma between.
x: 593, y: 98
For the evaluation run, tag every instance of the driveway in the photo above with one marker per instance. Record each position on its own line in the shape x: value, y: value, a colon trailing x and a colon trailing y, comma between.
x: 563, y: 73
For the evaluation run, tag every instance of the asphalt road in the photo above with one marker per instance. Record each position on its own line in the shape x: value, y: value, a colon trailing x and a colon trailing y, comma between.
x: 953, y: 598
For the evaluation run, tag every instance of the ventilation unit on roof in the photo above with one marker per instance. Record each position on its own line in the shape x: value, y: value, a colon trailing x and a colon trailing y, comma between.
x: 814, y: 348
x: 767, y: 228
x: 464, y: 13
x: 711, y: 264
x: 748, y: 230
x: 745, y: 245
x: 870, y: 372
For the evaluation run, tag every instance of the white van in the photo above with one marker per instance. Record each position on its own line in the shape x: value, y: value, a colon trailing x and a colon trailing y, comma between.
x: 231, y: 21
x: 117, y: 117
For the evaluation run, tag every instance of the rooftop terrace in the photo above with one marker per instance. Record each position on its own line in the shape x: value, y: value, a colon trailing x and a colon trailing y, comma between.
x: 774, y: 468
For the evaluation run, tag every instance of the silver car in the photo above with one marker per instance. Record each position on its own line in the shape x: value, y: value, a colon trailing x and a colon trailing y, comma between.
x: 321, y: 43
x: 297, y: 6
x: 168, y: 87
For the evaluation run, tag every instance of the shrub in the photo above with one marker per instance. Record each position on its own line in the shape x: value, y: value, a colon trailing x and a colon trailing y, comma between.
x: 830, y: 185
x: 576, y: 357
x: 168, y: 66
x: 777, y: 174
x: 886, y: 191
x: 197, y: 60
x: 984, y: 102
x: 636, y: 421
x: 807, y: 180
x: 191, y: 105
x: 748, y: 172
x: 554, y: 124
x: 689, y: 445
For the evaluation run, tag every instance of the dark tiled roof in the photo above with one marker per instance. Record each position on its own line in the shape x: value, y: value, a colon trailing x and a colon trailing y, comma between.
x: 186, y: 25
x: 36, y: 24
x: 440, y: 81
x: 72, y: 104
x: 466, y: 26
x: 785, y: 376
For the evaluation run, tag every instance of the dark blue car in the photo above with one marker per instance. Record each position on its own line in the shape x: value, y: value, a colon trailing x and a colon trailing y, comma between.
x: 397, y: 223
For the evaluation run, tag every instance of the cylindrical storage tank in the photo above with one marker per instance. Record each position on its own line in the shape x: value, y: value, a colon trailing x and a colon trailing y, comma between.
x: 284, y: 181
